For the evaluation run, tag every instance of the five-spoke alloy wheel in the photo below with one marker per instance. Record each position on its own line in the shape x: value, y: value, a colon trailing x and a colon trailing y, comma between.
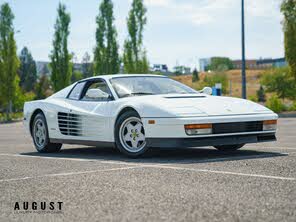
x: 130, y: 134
x: 39, y: 132
x: 40, y: 136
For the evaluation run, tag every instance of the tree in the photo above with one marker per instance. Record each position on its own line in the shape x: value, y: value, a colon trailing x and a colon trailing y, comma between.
x: 195, y: 76
x: 27, y: 70
x: 220, y: 64
x: 86, y: 66
x: 261, y: 94
x: 76, y: 76
x: 288, y: 8
x: 9, y: 62
x: 279, y: 81
x: 134, y: 56
x: 106, y: 58
x: 42, y: 87
x: 60, y: 64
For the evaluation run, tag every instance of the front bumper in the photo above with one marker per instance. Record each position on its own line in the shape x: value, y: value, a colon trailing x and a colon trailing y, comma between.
x: 210, y: 141
x: 174, y: 127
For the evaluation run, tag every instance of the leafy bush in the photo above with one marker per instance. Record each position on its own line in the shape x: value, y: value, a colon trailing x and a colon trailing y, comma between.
x: 275, y: 104
x: 211, y: 79
x: 21, y: 98
x: 280, y: 81
x: 253, y: 98
x: 13, y: 116
x: 16, y: 116
x: 293, y: 107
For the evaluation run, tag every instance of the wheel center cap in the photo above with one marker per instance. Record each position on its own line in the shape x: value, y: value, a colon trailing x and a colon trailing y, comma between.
x: 134, y: 135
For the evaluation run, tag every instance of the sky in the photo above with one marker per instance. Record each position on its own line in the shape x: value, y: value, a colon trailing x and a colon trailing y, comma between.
x: 178, y: 32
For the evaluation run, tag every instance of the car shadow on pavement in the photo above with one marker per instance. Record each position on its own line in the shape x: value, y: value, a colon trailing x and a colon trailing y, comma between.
x: 157, y: 155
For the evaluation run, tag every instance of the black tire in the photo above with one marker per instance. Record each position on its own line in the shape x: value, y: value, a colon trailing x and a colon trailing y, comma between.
x: 45, y: 146
x: 119, y: 143
x: 229, y: 148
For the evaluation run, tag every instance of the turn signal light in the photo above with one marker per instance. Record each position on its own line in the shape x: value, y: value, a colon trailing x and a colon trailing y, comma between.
x: 269, y: 125
x: 197, y: 129
x: 274, y: 121
x: 198, y: 126
x: 151, y: 121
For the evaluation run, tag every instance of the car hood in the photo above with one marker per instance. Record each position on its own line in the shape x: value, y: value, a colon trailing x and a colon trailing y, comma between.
x: 195, y: 105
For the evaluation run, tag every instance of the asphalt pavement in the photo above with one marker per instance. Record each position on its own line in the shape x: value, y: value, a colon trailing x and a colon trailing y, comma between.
x: 256, y: 183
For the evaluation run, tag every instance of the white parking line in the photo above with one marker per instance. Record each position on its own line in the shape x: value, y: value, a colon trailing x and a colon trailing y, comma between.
x: 208, y: 160
x: 163, y: 166
x: 47, y: 157
x: 226, y: 172
x: 70, y: 173
x: 169, y: 166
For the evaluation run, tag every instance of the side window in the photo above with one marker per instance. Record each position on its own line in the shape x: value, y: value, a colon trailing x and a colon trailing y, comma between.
x: 76, y: 91
x: 97, y: 91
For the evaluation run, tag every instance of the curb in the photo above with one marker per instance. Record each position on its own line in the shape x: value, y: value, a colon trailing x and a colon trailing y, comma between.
x: 287, y: 115
x: 11, y: 121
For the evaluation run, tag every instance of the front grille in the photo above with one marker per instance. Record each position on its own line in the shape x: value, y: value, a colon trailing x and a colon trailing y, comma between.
x: 237, y: 127
x: 69, y: 124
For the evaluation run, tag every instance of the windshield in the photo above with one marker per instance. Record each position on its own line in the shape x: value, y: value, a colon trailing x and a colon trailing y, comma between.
x: 148, y: 85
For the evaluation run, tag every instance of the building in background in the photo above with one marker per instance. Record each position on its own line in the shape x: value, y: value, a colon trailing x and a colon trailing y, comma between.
x: 204, y: 63
x: 162, y: 68
x: 260, y: 63
x: 281, y: 62
x: 182, y: 70
x: 268, y: 63
x: 250, y: 64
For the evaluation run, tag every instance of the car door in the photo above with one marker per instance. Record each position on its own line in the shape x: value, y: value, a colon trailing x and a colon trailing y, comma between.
x: 89, y: 110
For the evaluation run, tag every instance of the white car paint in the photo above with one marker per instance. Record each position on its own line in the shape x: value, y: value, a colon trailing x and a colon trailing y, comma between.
x: 170, y: 112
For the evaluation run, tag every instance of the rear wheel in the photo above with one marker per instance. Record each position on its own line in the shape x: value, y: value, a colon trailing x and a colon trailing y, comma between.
x: 229, y: 147
x: 130, y: 134
x: 40, y: 136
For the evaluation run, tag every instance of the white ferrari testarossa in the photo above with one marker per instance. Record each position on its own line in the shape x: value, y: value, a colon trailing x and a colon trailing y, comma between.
x: 135, y: 112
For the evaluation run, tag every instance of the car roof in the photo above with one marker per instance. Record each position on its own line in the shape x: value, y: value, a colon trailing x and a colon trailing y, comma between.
x: 107, y: 77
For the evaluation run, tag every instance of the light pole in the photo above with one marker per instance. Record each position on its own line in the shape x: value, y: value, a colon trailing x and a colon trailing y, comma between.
x: 244, y: 89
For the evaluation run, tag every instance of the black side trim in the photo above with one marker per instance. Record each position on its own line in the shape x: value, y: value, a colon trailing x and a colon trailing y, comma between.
x: 209, y: 141
x: 83, y: 142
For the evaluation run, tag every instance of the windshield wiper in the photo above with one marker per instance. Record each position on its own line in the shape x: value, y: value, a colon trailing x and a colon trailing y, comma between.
x: 136, y: 93
x: 142, y: 93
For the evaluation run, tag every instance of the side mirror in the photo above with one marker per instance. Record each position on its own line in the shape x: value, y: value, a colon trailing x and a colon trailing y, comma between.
x: 207, y: 90
x: 96, y: 94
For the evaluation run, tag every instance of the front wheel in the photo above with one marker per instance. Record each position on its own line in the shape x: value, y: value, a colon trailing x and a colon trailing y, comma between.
x: 40, y: 136
x: 130, y: 134
x: 226, y: 148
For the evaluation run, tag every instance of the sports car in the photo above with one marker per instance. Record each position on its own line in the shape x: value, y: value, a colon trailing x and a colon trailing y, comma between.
x: 137, y: 112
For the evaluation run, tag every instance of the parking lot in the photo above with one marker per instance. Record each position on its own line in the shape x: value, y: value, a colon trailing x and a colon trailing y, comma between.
x: 256, y: 183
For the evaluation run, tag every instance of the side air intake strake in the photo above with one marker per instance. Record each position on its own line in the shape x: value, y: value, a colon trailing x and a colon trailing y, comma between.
x: 70, y: 124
